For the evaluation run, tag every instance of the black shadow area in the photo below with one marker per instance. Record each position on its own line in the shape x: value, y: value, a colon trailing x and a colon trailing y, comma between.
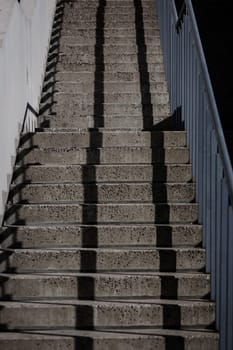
x: 86, y: 289
x: 171, y: 313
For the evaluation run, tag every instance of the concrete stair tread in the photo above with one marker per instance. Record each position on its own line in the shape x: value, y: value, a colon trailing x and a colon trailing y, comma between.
x: 104, y: 138
x: 103, y: 193
x: 108, y: 67
x: 112, y: 77
x: 94, y: 303
x: 45, y: 236
x: 77, y: 174
x: 111, y: 313
x: 146, y: 338
x: 91, y: 148
x: 115, y: 259
x: 106, y: 333
x: 98, y: 250
x: 113, y: 274
x: 113, y: 285
x: 102, y: 213
x: 106, y: 155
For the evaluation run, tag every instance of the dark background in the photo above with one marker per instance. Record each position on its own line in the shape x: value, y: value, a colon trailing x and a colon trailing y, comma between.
x: 215, y: 22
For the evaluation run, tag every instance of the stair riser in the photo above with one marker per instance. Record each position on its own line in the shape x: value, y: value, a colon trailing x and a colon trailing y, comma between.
x: 63, y: 65
x: 72, y: 37
x: 108, y: 32
x: 109, y: 122
x: 115, y: 155
x: 90, y: 286
x: 82, y: 59
x: 109, y: 23
x: 111, y: 213
x: 159, y: 193
x: 105, y: 110
x: 103, y: 236
x: 62, y: 99
x: 109, y: 77
x: 109, y: 88
x: 109, y: 9
x: 149, y: 33
x: 105, y: 139
x: 205, y: 342
x: 109, y: 4
x: 109, y: 260
x: 108, y: 50
x: 70, y: 343
x: 85, y: 174
x: 106, y: 315
x: 77, y: 16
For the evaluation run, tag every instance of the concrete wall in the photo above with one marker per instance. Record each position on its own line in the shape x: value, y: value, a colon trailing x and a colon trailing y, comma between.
x: 25, y: 30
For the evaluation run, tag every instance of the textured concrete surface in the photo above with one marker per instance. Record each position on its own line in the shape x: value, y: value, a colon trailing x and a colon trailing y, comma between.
x: 120, y: 235
x: 71, y: 285
x: 102, y: 213
x: 124, y: 192
x: 181, y: 173
x: 107, y: 155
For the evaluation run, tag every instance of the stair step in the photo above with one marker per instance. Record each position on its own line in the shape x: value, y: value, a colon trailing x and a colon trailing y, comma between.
x: 109, y: 4
x: 101, y: 213
x: 61, y: 236
x: 103, y: 193
x: 121, y: 98
x: 82, y: 314
x: 149, y: 33
x: 77, y: 16
x: 64, y: 65
x: 120, y: 87
x: 88, y: 37
x: 62, y: 109
x: 109, y: 9
x: 160, y: 121
x: 107, y: 155
x: 109, y: 77
x: 124, y: 58
x: 102, y: 173
x: 103, y: 259
x: 108, y: 23
x: 114, y: 285
x: 133, y: 339
x: 69, y: 47
x: 105, y: 139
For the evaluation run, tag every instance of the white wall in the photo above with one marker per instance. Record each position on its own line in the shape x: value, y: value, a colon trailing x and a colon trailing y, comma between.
x: 24, y: 40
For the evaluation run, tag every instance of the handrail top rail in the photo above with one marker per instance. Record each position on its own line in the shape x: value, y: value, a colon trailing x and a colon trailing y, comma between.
x: 212, y: 102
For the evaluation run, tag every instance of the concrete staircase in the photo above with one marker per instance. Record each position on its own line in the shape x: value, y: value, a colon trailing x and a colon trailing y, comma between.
x: 101, y: 246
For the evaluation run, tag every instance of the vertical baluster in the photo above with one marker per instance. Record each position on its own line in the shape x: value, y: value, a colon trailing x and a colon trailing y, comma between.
x: 223, y: 263
x: 204, y: 179
x: 208, y: 189
x: 218, y: 233
x: 213, y: 247
x: 229, y: 300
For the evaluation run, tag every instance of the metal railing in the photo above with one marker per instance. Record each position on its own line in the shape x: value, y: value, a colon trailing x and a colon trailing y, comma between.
x: 192, y: 98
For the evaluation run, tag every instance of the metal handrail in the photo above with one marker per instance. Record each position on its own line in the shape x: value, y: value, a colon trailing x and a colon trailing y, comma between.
x: 215, y: 114
x: 193, y: 103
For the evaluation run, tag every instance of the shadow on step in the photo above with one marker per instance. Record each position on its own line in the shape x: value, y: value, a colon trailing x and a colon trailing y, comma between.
x: 86, y: 286
x: 168, y: 261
